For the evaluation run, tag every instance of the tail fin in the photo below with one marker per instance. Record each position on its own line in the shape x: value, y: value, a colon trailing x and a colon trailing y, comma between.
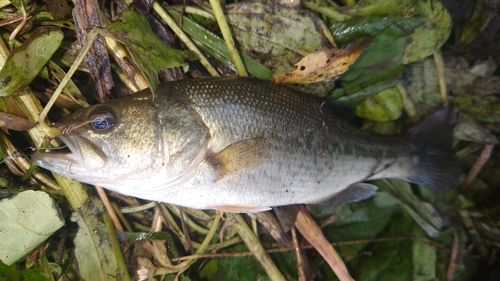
x: 431, y: 139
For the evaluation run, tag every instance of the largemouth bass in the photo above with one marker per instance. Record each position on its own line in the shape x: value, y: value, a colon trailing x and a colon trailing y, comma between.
x: 242, y: 145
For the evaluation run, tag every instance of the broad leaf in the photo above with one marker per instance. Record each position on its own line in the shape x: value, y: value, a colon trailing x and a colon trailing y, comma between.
x: 26, y: 220
x: 146, y: 49
x: 93, y: 252
x: 24, y: 63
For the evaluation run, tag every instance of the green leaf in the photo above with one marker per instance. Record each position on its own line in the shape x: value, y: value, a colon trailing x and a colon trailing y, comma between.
x: 277, y: 35
x: 20, y: 4
x: 348, y: 31
x: 209, y: 269
x: 361, y: 9
x: 477, y: 22
x: 380, y: 65
x: 146, y: 49
x: 424, y: 258
x: 390, y: 260
x: 467, y: 129
x: 422, y: 212
x: 8, y: 273
x: 239, y: 268
x: 481, y: 108
x: 431, y: 34
x: 93, y: 252
x: 357, y: 221
x: 385, y: 106
x: 216, y: 47
x: 26, y: 221
x: 24, y: 63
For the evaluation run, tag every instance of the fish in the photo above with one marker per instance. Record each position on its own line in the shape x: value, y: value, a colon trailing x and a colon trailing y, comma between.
x: 242, y: 145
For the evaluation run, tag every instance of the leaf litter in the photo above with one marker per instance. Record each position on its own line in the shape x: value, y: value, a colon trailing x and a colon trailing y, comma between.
x: 404, y: 232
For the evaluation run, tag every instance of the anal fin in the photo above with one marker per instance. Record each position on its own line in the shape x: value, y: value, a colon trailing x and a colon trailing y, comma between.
x: 240, y: 156
x: 240, y: 209
x: 287, y: 215
x: 354, y: 193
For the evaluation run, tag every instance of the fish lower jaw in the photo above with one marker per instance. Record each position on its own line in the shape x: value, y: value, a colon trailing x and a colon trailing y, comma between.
x: 59, y: 162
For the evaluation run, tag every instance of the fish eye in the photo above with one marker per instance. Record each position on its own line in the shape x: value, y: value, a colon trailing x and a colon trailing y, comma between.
x: 102, y: 121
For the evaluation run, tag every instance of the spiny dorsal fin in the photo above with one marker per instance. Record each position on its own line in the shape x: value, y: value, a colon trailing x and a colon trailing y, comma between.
x: 241, y: 156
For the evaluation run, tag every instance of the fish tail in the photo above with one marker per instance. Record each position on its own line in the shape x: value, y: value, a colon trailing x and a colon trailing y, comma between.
x: 431, y: 141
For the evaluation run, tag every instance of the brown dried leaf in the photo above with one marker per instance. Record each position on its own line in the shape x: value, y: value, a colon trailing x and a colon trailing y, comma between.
x: 312, y: 233
x: 324, y: 64
x: 12, y: 122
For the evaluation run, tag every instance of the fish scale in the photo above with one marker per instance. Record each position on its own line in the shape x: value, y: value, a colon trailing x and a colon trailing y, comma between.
x: 282, y: 147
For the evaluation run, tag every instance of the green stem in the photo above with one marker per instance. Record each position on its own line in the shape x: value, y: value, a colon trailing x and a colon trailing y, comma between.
x: 256, y: 248
x: 189, y: 222
x: 134, y: 209
x: 184, y: 38
x: 115, y: 244
x: 50, y: 131
x: 186, y: 264
x: 73, y: 190
x: 226, y: 34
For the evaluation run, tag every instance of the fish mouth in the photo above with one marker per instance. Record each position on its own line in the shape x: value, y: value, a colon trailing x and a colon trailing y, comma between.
x: 59, y: 159
x: 62, y: 160
x: 72, y: 144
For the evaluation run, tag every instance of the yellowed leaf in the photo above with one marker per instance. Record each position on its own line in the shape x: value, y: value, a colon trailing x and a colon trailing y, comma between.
x: 324, y: 64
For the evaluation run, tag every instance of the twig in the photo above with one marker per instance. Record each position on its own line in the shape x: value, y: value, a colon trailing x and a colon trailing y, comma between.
x: 109, y: 207
x: 474, y: 235
x: 60, y: 250
x: 122, y: 218
x: 299, y: 257
x: 438, y: 60
x: 21, y: 24
x: 407, y: 103
x: 474, y: 171
x: 306, y: 247
x: 22, y: 163
x: 453, y: 258
x: 17, y: 18
x: 183, y: 218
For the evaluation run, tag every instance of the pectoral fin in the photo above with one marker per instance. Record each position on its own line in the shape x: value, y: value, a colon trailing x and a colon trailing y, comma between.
x: 354, y: 193
x: 240, y: 156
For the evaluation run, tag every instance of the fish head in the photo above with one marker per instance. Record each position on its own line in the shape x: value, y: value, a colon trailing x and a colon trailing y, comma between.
x: 108, y: 143
x: 136, y: 146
